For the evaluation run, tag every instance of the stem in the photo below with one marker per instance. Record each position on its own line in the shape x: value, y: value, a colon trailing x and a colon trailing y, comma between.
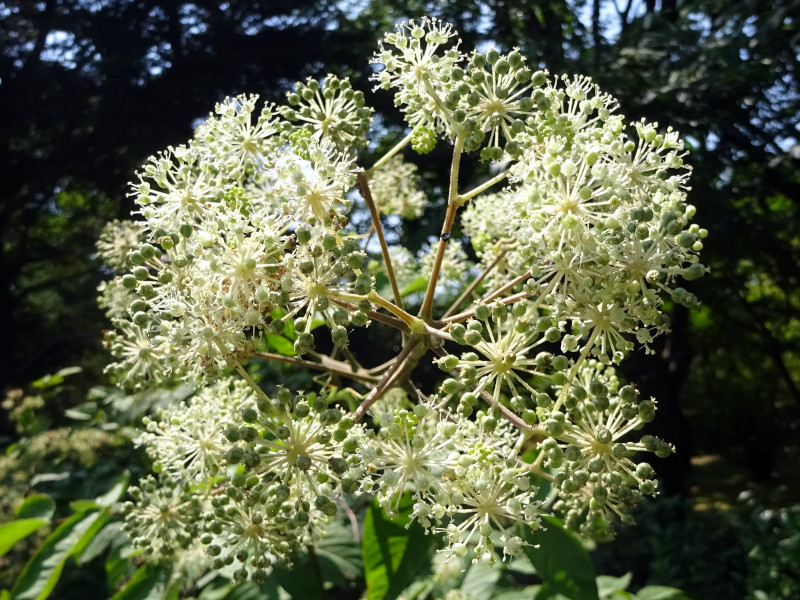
x: 577, y: 365
x: 381, y: 367
x: 339, y: 298
x: 510, y: 416
x: 351, y: 516
x: 363, y: 185
x: 251, y: 382
x: 517, y: 280
x: 444, y: 112
x: 447, y: 226
x: 482, y: 187
x: 463, y: 316
x: 388, y: 378
x: 385, y: 158
x: 327, y: 364
x: 476, y: 282
x: 440, y: 333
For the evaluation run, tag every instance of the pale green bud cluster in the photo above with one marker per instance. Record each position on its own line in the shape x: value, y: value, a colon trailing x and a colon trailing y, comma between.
x: 593, y: 452
x: 331, y: 111
x: 116, y: 241
x: 164, y: 517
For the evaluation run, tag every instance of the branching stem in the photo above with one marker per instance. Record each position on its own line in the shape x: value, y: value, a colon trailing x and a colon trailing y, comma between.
x: 477, y: 281
x: 385, y: 158
x: 392, y: 374
x: 447, y: 227
x: 462, y: 198
x: 506, y: 412
x: 363, y: 184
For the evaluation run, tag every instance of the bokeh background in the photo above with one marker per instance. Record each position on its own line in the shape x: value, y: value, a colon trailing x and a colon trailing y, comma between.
x: 90, y: 88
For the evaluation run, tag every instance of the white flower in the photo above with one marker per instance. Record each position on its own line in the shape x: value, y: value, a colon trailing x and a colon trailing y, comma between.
x: 415, y: 67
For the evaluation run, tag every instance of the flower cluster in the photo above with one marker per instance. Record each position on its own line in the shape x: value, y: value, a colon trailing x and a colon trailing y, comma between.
x: 459, y: 473
x: 598, y: 221
x: 241, y: 225
x: 592, y: 451
x: 331, y: 111
x: 418, y: 63
x: 244, y: 234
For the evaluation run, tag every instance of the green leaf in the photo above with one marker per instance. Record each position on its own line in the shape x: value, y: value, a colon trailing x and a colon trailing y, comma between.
x: 339, y: 555
x: 480, y: 581
x: 394, y: 555
x: 221, y: 588
x: 14, y: 531
x: 300, y: 581
x: 560, y: 560
x: 545, y: 592
x: 56, y: 378
x: 281, y: 344
x: 608, y: 587
x: 419, y: 589
x: 82, y: 506
x: 118, y: 565
x: 420, y: 284
x: 544, y: 487
x: 660, y: 592
x: 526, y: 593
x: 82, y: 412
x: 148, y: 583
x: 41, y: 573
x: 37, y: 506
x: 111, y: 533
x: 338, y: 560
x: 116, y: 491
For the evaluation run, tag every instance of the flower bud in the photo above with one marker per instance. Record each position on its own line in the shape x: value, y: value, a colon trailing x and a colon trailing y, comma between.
x: 359, y: 318
x: 234, y: 455
x: 339, y: 336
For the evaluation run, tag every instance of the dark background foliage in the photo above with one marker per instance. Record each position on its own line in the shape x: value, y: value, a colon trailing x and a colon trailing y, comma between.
x: 89, y: 89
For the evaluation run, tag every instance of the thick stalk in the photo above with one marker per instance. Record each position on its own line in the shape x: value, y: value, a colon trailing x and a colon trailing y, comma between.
x: 447, y: 227
x: 363, y: 184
